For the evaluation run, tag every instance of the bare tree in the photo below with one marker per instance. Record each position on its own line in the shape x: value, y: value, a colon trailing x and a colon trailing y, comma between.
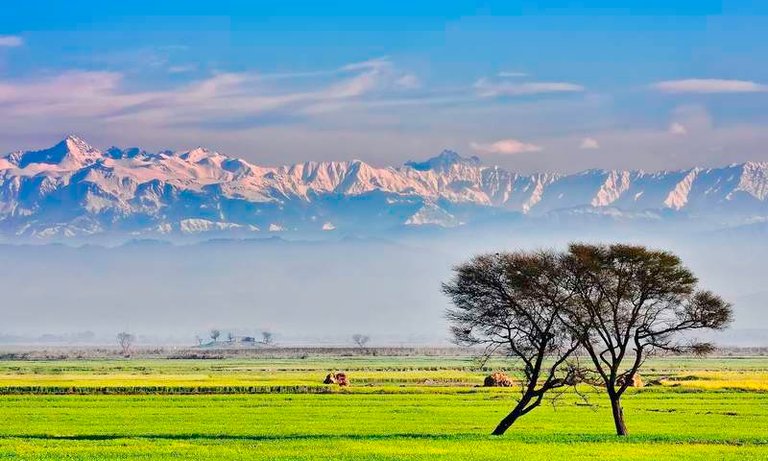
x: 511, y: 304
x: 125, y: 341
x: 267, y: 338
x: 214, y: 334
x: 230, y: 337
x: 630, y: 301
x: 360, y: 340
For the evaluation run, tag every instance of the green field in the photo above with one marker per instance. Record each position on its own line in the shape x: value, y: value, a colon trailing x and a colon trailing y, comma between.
x: 396, y: 407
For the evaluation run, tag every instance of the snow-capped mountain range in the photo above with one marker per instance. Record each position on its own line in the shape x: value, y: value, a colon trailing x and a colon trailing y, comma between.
x: 75, y: 190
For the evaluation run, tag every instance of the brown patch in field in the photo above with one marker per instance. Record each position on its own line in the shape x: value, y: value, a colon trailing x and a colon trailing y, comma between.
x: 497, y: 379
x: 336, y: 378
x: 636, y: 381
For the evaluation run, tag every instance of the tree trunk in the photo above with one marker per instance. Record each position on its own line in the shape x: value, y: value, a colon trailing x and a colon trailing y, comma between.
x: 618, y: 415
x: 512, y: 417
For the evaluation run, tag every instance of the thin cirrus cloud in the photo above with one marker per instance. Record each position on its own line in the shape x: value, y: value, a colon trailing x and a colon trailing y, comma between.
x: 375, y: 63
x: 90, y: 95
x: 181, y: 69
x: 10, y: 41
x: 488, y: 88
x: 237, y: 100
x: 511, y: 74
x: 709, y: 85
x: 504, y: 147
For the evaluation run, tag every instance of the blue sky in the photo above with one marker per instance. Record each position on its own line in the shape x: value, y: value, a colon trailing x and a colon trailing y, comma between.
x: 528, y: 85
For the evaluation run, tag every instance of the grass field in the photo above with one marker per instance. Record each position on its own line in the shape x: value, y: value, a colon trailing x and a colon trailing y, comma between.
x: 397, y: 407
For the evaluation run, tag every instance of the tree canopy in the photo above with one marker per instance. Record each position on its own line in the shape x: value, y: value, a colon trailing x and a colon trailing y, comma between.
x: 630, y: 301
x: 616, y: 304
x: 511, y: 304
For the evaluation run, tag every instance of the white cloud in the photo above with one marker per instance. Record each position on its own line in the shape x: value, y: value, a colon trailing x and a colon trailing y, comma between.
x: 688, y: 119
x: 487, y: 88
x: 10, y: 41
x: 589, y: 143
x: 677, y: 129
x: 504, y: 146
x: 700, y: 85
x: 511, y: 74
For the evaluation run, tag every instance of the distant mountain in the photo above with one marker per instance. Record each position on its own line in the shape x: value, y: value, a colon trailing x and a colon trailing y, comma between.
x: 73, y: 190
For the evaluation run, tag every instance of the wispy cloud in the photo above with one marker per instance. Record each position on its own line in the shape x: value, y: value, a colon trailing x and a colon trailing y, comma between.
x: 233, y: 97
x: 511, y: 74
x: 370, y: 64
x: 81, y: 94
x: 408, y: 81
x: 182, y: 69
x: 10, y: 41
x: 487, y: 88
x: 505, y: 147
x: 589, y: 143
x: 702, y: 85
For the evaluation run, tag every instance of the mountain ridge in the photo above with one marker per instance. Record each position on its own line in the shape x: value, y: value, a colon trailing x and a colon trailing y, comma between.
x: 75, y: 190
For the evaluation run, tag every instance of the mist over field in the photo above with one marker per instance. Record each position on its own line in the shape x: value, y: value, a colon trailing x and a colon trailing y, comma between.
x: 318, y: 292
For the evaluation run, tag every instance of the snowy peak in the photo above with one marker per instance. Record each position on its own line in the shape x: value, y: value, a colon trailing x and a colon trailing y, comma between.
x: 198, y: 155
x: 443, y: 162
x: 72, y: 152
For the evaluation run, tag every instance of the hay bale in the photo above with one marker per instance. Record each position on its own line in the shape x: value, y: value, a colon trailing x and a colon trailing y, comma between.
x: 636, y: 381
x: 497, y: 380
x: 336, y: 378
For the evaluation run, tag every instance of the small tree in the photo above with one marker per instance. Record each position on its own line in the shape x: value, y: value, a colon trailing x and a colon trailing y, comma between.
x: 510, y: 304
x: 230, y: 337
x: 631, y: 301
x: 360, y: 340
x: 267, y: 338
x: 214, y: 334
x: 125, y: 341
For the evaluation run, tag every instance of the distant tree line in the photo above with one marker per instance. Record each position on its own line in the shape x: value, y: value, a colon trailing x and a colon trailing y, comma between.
x: 125, y: 340
x: 267, y: 338
x: 610, y: 306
